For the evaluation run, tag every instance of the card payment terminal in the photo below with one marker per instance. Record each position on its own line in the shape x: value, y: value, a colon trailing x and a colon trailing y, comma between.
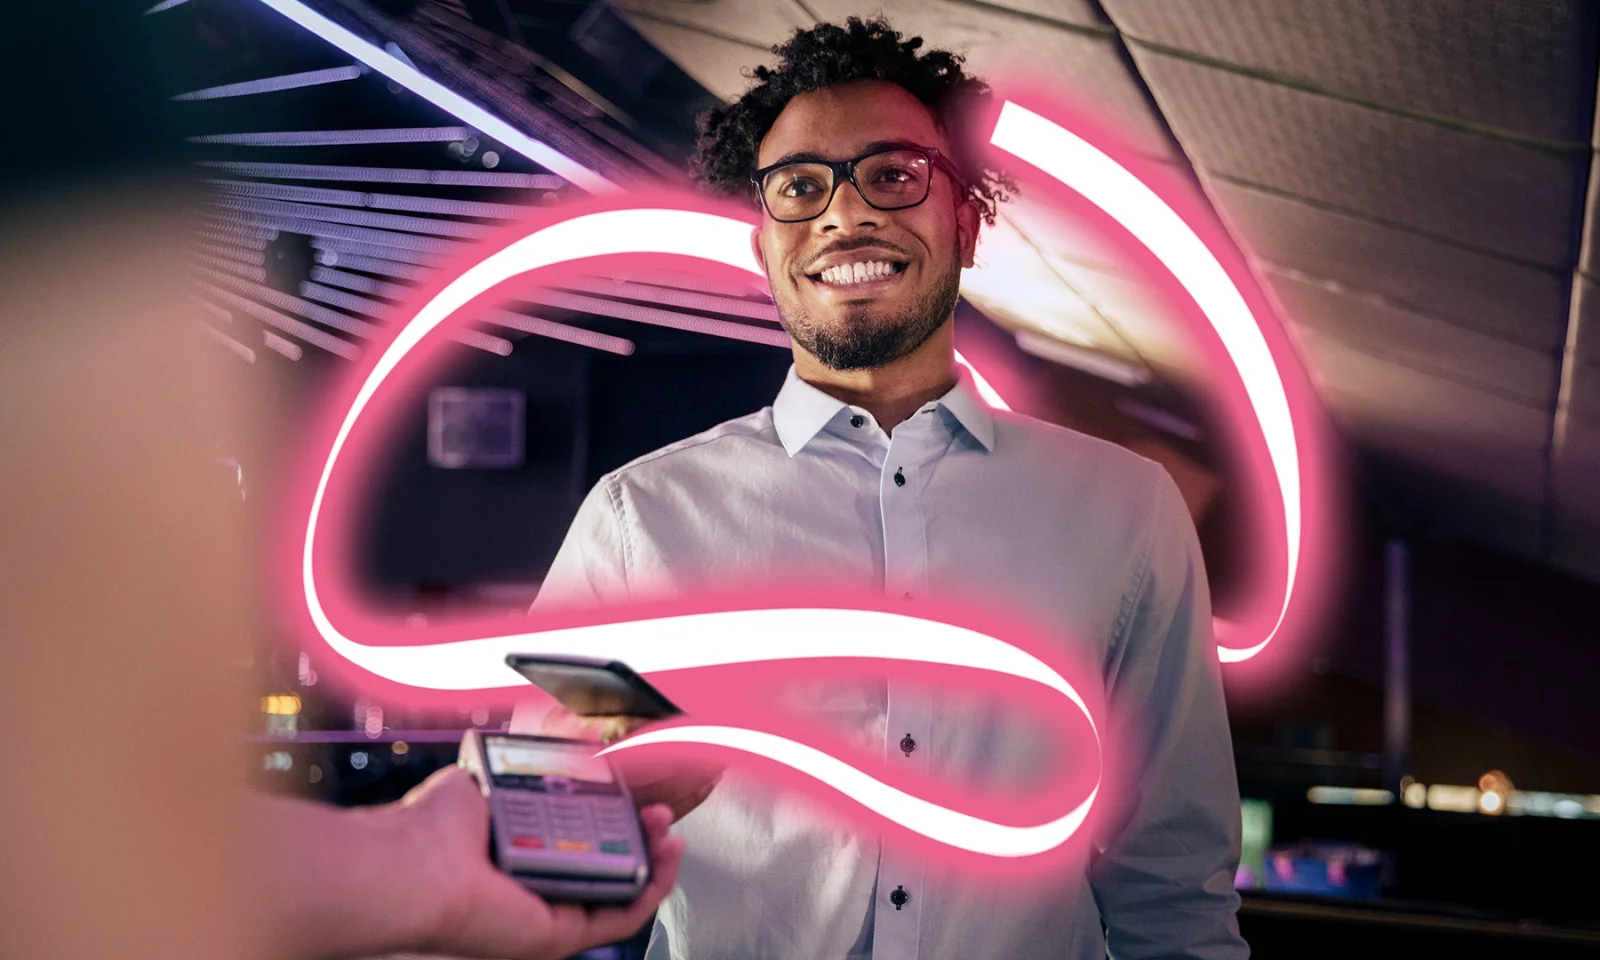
x: 562, y: 822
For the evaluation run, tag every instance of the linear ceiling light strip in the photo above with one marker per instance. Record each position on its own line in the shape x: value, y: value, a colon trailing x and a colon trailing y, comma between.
x: 335, y: 138
x: 677, y: 297
x: 234, y: 347
x: 381, y: 266
x: 342, y: 246
x: 375, y: 201
x: 280, y: 345
x: 337, y: 231
x: 283, y: 301
x: 359, y: 218
x: 288, y: 81
x: 443, y: 178
x: 451, y: 102
x: 385, y: 312
x: 560, y: 331
x: 658, y: 317
x: 289, y: 325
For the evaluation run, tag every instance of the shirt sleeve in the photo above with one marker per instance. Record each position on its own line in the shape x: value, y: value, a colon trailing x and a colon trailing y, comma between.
x: 1169, y: 836
x: 590, y: 569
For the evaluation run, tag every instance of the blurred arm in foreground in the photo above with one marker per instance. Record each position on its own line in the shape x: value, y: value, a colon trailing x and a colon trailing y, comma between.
x: 126, y: 826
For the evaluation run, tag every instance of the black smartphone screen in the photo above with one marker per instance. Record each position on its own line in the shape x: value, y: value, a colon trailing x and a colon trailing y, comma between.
x: 593, y: 688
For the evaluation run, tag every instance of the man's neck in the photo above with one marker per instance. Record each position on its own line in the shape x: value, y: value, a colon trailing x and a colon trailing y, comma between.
x: 894, y: 391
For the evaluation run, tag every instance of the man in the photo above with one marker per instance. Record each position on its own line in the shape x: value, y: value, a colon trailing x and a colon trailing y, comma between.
x: 878, y: 464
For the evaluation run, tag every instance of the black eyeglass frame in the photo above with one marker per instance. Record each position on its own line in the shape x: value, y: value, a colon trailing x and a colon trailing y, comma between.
x: 846, y: 170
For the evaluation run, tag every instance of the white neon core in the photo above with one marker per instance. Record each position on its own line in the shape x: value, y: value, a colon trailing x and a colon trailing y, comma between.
x: 1108, y: 185
x: 701, y: 639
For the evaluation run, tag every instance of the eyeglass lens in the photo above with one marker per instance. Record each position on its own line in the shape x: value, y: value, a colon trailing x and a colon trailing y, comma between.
x: 889, y: 180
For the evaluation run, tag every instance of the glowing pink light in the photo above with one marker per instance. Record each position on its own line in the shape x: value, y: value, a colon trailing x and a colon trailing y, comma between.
x: 698, y: 640
x: 1086, y: 169
x: 682, y: 642
x: 455, y: 104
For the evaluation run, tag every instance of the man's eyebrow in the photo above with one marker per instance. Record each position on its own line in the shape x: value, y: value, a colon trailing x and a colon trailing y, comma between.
x: 811, y: 156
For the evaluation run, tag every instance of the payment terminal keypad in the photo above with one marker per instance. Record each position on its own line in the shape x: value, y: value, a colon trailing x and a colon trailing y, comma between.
x: 568, y: 823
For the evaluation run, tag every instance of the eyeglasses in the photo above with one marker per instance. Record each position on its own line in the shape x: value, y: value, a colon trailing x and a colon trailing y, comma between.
x: 888, y: 179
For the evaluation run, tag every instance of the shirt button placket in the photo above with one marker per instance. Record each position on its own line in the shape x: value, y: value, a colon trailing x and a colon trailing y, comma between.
x: 897, y: 921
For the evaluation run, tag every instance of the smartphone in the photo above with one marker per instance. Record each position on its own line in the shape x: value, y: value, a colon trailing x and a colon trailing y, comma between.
x: 593, y: 688
x: 561, y: 822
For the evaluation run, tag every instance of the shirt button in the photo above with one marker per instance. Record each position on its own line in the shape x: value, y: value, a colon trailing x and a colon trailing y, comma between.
x: 857, y: 420
x: 899, y: 479
x: 907, y: 744
x: 899, y: 898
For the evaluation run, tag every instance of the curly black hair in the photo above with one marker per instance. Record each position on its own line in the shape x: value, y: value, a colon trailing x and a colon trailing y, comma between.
x: 829, y: 54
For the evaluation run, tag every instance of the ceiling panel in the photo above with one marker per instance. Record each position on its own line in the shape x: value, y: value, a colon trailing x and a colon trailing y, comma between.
x: 1432, y: 419
x: 1424, y: 343
x: 1586, y: 394
x: 716, y: 63
x: 1016, y: 287
x: 1084, y: 13
x: 1466, y: 461
x: 1482, y: 191
x: 1588, y: 319
x: 1575, y: 534
x: 1140, y: 313
x: 1088, y: 66
x: 1519, y: 66
x: 760, y: 24
x: 1522, y: 303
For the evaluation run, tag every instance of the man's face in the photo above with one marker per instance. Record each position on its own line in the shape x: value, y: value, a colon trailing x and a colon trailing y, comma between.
x: 848, y: 324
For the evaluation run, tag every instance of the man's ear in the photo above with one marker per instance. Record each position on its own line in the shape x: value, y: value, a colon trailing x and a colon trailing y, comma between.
x: 968, y: 218
x: 755, y: 248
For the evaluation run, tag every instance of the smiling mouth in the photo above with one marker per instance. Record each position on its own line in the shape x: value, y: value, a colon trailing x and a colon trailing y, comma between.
x: 850, y: 274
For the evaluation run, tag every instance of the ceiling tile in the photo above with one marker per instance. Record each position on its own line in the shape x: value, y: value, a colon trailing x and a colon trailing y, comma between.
x: 1586, y: 392
x: 1088, y: 67
x: 759, y: 22
x: 1588, y: 319
x: 1139, y: 312
x: 1014, y: 286
x: 1575, y: 532
x: 1458, y: 461
x: 1478, y: 190
x: 1519, y: 66
x: 1521, y: 303
x: 1085, y: 13
x: 1432, y: 492
x: 714, y: 62
x: 1424, y: 343
x: 1394, y: 406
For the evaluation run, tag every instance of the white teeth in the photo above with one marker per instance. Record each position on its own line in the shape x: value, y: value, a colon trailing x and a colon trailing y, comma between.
x: 857, y: 272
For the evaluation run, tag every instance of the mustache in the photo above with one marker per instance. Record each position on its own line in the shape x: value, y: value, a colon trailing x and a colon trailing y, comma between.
x: 860, y: 243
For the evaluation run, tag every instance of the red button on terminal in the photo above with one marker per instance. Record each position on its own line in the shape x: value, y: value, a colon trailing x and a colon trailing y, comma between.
x: 528, y: 843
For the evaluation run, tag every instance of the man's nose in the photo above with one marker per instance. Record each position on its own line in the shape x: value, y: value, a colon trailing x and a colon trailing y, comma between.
x: 848, y: 211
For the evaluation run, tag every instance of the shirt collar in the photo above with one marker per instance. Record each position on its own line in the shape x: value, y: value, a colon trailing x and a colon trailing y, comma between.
x: 801, y: 411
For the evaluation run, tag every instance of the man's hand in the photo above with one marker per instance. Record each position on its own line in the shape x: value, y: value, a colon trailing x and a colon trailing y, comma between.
x: 679, y: 786
x: 468, y: 908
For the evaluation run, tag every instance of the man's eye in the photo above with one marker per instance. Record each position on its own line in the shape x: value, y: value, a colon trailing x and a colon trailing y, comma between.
x: 895, y: 175
x: 799, y: 187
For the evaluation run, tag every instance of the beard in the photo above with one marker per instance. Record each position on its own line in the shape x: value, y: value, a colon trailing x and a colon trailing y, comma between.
x: 861, y: 339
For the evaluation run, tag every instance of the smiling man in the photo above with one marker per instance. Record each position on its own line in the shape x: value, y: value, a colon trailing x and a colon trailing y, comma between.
x: 878, y: 465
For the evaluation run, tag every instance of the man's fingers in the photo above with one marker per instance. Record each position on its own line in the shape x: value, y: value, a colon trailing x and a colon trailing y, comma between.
x: 666, y: 856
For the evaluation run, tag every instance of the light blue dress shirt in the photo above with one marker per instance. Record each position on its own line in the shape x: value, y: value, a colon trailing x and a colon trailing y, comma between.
x: 1086, y: 539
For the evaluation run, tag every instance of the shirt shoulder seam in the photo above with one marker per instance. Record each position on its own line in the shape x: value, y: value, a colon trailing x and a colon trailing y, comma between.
x: 1141, y: 575
x: 614, y: 498
x: 720, y: 432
